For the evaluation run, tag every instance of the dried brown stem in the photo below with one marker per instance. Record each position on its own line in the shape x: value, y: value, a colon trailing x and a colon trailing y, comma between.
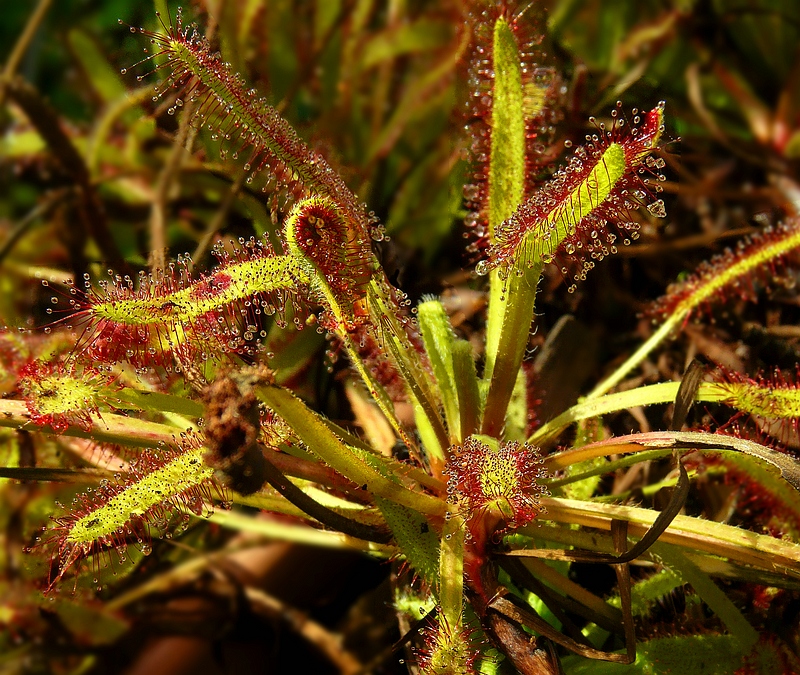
x: 19, y: 228
x: 215, y: 225
x: 47, y: 123
x: 158, y: 220
x: 328, y: 643
x: 183, y: 141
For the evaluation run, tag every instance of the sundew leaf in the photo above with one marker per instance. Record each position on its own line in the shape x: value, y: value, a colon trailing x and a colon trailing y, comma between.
x: 785, y: 465
x: 418, y: 541
x: 512, y: 106
x: 338, y: 262
x: 756, y: 260
x: 162, y: 316
x: 511, y: 301
x: 738, y: 271
x: 578, y: 215
x: 127, y: 505
x: 59, y: 396
x: 507, y: 164
x: 709, y: 654
x: 244, y: 122
x: 717, y: 601
x: 438, y: 337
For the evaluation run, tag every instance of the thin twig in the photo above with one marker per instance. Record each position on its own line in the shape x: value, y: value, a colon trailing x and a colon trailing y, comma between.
x: 25, y: 38
x: 328, y: 643
x: 31, y: 217
x: 215, y: 225
x: 183, y: 141
x: 48, y: 125
x: 158, y: 226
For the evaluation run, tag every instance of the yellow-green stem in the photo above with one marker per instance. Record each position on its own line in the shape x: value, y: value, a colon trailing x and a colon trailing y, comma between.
x: 639, y: 355
x: 451, y: 569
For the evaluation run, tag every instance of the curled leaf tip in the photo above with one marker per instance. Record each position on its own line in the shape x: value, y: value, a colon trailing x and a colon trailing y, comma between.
x: 336, y: 256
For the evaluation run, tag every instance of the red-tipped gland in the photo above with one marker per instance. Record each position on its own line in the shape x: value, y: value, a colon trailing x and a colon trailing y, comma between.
x: 579, y: 215
x: 336, y: 257
x: 448, y: 650
x: 177, y: 318
x: 59, y: 395
x: 127, y: 508
x: 756, y: 261
x: 772, y: 402
x: 500, y: 483
x: 770, y: 655
x: 539, y: 111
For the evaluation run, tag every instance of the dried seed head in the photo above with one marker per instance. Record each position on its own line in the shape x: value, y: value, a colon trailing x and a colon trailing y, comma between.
x: 232, y: 430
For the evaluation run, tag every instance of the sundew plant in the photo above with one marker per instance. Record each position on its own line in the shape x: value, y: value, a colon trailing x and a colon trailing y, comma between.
x: 435, y: 313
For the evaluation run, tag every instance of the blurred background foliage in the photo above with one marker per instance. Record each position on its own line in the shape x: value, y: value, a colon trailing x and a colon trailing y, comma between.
x: 377, y: 86
x: 92, y: 175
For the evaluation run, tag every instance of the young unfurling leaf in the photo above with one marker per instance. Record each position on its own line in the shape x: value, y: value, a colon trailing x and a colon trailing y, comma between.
x: 338, y: 262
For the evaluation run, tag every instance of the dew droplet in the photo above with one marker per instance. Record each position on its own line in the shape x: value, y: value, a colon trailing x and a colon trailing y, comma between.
x: 657, y: 208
